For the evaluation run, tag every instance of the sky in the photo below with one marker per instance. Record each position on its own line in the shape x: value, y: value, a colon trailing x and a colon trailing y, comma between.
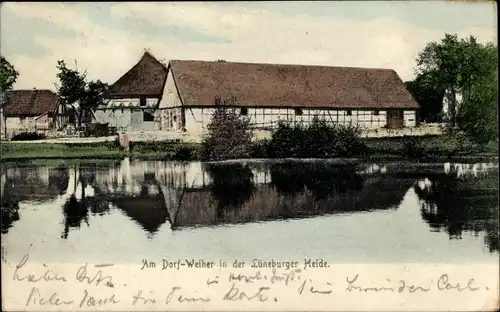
x: 107, y: 39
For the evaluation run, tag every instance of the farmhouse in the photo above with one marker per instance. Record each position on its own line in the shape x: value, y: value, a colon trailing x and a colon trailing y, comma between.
x: 32, y: 111
x: 268, y: 93
x: 132, y: 101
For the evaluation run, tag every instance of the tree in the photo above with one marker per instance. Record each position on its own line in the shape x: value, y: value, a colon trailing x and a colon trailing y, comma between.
x: 454, y: 65
x: 81, y: 96
x: 428, y: 95
x: 8, y: 77
x: 229, y: 134
x: 478, y: 114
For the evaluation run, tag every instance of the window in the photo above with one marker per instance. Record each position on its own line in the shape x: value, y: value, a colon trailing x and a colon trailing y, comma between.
x: 375, y: 112
x: 298, y: 112
x: 147, y: 116
x: 142, y: 101
x: 243, y: 111
x: 349, y: 112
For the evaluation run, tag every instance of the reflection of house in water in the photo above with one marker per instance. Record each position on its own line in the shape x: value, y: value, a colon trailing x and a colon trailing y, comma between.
x: 202, y: 194
x: 33, y: 183
x: 188, y: 194
x: 459, y: 202
x: 136, y: 191
x: 292, y: 192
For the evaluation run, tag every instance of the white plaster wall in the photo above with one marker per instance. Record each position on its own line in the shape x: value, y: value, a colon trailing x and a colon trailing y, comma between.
x: 21, y: 124
x: 170, y: 97
x: 410, y: 119
x: 194, y: 120
x: 126, y: 119
x: 121, y: 118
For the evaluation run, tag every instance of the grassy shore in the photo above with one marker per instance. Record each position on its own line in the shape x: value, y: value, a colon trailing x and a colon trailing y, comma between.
x: 14, y: 151
x: 422, y: 148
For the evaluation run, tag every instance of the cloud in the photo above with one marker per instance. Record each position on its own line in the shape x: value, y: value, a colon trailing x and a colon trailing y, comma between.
x: 252, y: 34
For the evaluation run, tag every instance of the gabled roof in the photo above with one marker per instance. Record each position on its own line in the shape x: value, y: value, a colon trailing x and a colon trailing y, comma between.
x: 147, y: 77
x: 30, y: 102
x: 273, y: 85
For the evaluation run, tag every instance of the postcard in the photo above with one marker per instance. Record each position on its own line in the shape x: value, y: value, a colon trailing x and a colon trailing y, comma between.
x: 248, y: 156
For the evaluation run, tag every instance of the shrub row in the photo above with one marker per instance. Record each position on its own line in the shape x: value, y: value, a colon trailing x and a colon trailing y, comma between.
x: 167, y: 149
x: 318, y: 140
x: 28, y: 136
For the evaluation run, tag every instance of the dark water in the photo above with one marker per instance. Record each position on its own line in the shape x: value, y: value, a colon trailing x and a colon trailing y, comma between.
x: 124, y: 211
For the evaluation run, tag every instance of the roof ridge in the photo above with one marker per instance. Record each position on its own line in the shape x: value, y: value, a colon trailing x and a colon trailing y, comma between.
x: 283, y: 64
x: 32, y: 90
x: 133, y: 78
x: 149, y: 54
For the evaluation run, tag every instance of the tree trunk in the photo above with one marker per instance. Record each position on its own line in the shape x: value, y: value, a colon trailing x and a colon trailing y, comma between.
x: 452, y: 106
x: 80, y: 116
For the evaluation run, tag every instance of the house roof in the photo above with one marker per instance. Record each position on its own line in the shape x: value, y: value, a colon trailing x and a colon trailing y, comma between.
x: 147, y: 77
x: 273, y: 85
x: 30, y: 102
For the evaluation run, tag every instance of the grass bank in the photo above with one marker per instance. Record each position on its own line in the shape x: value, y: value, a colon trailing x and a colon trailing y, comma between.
x: 17, y: 151
x: 429, y: 147
x: 444, y: 147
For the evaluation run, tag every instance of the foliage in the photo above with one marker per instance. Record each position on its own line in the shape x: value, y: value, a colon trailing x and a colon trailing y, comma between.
x: 321, y: 179
x: 231, y: 186
x: 166, y: 150
x: 432, y: 146
x: 478, y: 114
x: 28, y: 136
x: 8, y: 76
x: 185, y: 153
x: 318, y: 140
x: 412, y: 147
x: 454, y: 64
x: 83, y: 97
x: 260, y: 149
x: 228, y: 136
x: 428, y: 95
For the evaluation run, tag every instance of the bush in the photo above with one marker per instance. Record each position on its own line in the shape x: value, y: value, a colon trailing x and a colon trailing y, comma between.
x: 287, y: 141
x: 260, y: 149
x: 229, y: 135
x: 412, y: 147
x: 185, y: 153
x: 28, y: 136
x: 318, y: 140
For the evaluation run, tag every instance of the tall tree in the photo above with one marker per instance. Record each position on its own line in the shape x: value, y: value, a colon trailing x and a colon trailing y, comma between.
x: 428, y: 95
x: 478, y: 114
x: 229, y: 135
x: 454, y: 65
x: 80, y: 96
x: 8, y: 77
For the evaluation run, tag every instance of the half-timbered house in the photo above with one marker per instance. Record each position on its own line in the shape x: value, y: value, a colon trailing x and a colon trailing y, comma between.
x: 32, y: 110
x: 132, y: 101
x: 268, y: 93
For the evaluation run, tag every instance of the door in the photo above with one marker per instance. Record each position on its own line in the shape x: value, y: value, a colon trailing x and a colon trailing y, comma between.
x: 395, y: 119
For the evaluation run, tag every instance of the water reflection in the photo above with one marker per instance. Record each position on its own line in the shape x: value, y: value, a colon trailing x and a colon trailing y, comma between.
x: 10, y: 214
x: 231, y: 186
x: 452, y: 197
x: 82, y: 200
x: 466, y: 201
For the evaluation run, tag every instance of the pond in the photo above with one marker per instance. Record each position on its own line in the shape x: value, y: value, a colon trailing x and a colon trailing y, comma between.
x: 125, y: 211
